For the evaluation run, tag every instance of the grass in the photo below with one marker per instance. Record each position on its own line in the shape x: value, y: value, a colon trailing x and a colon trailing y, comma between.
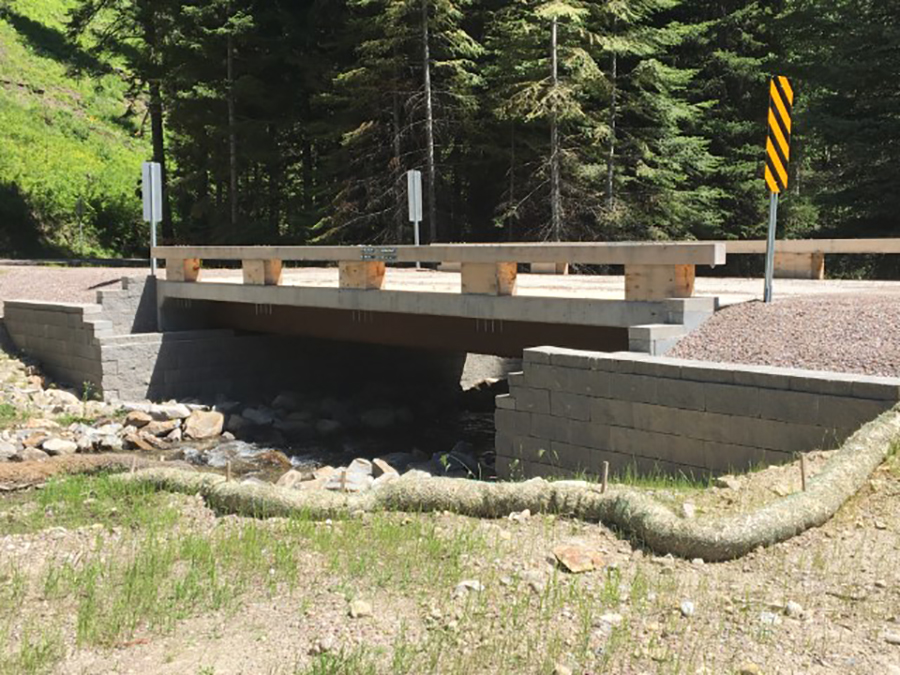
x: 65, y: 138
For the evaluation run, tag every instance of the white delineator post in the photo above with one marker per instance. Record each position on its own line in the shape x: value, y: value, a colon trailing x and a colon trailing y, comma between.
x: 151, y: 175
x: 770, y: 246
x: 414, y: 190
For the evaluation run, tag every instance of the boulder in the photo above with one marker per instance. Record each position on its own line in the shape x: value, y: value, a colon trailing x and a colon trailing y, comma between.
x: 260, y: 417
x: 31, y: 455
x: 136, y: 442
x: 202, y: 425
x: 576, y: 559
x: 360, y: 466
x: 346, y: 481
x: 290, y: 479
x: 287, y: 400
x: 236, y: 424
x: 111, y: 443
x: 137, y: 419
x: 58, y: 397
x: 295, y: 429
x: 7, y: 451
x: 59, y: 446
x: 169, y: 411
x: 160, y: 428
x: 382, y: 468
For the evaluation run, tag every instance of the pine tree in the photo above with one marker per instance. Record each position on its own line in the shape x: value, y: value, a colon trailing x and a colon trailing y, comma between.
x: 402, y: 102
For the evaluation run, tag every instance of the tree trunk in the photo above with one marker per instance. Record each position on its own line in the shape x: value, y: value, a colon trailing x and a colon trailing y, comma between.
x: 398, y: 172
x: 611, y: 155
x: 555, y: 206
x: 429, y: 128
x: 232, y: 139
x: 511, y: 218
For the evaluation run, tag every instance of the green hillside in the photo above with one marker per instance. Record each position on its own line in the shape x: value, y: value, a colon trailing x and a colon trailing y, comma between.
x: 66, y: 137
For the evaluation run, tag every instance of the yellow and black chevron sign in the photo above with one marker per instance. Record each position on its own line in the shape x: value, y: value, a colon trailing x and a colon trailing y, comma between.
x: 778, y: 142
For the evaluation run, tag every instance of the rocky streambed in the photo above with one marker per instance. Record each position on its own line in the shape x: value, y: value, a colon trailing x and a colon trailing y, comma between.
x: 310, y: 440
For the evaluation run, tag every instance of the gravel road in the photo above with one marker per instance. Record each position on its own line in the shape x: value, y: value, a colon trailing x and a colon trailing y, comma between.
x: 825, y: 332
x: 60, y: 284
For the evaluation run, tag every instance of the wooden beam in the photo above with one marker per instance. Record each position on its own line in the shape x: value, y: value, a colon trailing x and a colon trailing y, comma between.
x: 615, y: 253
x: 749, y: 246
x: 799, y: 265
x: 182, y: 269
x: 657, y: 282
x: 489, y: 278
x: 262, y: 272
x: 367, y: 276
x: 550, y: 268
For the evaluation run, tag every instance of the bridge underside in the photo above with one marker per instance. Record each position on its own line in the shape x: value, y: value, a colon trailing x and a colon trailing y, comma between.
x: 442, y: 333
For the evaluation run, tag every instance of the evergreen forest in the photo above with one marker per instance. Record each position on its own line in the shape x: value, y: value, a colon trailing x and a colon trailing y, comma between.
x: 295, y: 121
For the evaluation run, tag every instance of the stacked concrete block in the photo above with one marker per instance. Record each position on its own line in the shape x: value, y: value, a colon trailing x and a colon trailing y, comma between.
x: 64, y: 337
x: 131, y: 308
x: 569, y: 411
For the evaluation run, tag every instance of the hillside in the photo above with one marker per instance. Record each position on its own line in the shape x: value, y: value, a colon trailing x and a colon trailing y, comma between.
x: 66, y: 137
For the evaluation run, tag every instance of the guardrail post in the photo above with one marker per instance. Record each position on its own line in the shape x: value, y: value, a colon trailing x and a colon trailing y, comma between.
x: 658, y: 282
x: 262, y: 272
x: 489, y: 278
x: 182, y: 269
x: 367, y: 275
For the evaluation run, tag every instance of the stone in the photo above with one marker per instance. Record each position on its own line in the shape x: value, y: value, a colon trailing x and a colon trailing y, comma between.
x: 359, y: 609
x: 31, y: 455
x: 169, y: 411
x: 324, y: 472
x: 687, y: 608
x: 382, y: 468
x: 60, y: 397
x: 378, y: 419
x: 41, y: 423
x: 892, y: 638
x: 160, y: 427
x: 290, y: 479
x: 236, y: 424
x: 360, y: 466
x: 59, y: 446
x: 468, y: 586
x: 769, y: 619
x: 136, y: 442
x: 175, y: 436
x: 577, y: 559
x: 7, y: 451
x: 111, y: 443
x: 399, y: 460
x: 728, y: 482
x: 137, y: 419
x: 261, y: 417
x: 612, y: 619
x: 201, y: 425
x: 85, y: 442
x: 288, y: 401
x: 688, y: 510
x: 326, y: 427
x: 748, y: 668
x: 35, y: 440
x: 560, y: 669
x: 793, y: 609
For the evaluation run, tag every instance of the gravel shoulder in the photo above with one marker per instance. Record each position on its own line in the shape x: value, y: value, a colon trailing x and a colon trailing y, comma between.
x: 824, y: 332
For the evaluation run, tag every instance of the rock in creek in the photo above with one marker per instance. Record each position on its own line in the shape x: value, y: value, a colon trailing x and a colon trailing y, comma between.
x: 31, y: 455
x: 137, y: 419
x: 202, y: 425
x: 261, y: 417
x: 169, y: 411
x: 7, y: 451
x: 59, y: 446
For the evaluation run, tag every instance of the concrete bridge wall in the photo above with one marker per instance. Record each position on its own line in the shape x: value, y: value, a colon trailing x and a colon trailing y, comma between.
x: 569, y: 411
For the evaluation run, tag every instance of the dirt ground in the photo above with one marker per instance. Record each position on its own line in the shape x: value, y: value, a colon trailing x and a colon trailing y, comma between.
x: 637, y: 613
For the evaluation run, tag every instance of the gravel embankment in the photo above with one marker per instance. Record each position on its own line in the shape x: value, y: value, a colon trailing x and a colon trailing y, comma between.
x: 60, y: 284
x: 850, y: 334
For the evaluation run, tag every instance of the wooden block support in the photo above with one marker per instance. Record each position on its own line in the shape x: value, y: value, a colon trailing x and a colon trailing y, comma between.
x: 262, y: 272
x: 182, y: 269
x: 489, y: 278
x: 799, y: 265
x: 366, y: 275
x: 658, y: 282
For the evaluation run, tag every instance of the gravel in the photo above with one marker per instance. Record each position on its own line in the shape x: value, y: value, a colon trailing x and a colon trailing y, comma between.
x: 851, y: 334
x: 60, y: 284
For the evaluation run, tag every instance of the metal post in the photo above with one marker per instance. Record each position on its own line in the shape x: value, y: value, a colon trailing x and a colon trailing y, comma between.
x: 416, y: 227
x: 770, y: 247
x: 152, y: 246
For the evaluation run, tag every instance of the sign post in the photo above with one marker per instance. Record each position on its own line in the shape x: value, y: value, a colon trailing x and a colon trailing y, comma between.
x: 414, y: 189
x: 151, y: 175
x: 778, y: 154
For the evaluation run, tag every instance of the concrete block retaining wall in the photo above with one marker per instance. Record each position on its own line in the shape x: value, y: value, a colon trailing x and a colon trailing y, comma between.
x: 569, y: 411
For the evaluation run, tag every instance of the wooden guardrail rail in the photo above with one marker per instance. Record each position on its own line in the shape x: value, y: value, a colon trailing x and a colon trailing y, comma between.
x: 805, y: 258
x: 653, y: 271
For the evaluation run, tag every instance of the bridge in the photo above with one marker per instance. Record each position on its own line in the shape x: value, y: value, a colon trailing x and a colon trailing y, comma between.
x: 486, y: 307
